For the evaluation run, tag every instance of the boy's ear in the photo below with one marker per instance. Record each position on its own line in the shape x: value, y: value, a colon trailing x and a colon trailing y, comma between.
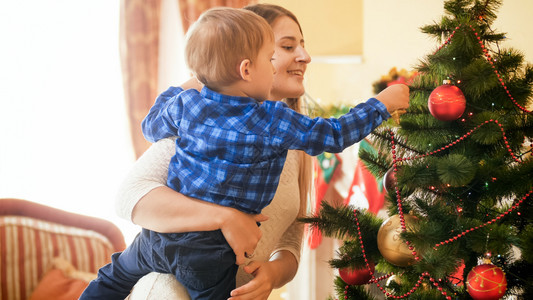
x: 244, y: 69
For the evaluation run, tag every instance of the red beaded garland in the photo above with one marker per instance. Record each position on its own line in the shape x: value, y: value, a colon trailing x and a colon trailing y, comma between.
x: 398, y: 195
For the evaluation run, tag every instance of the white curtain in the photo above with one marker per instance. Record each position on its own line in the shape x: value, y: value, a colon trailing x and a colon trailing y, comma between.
x: 172, y: 68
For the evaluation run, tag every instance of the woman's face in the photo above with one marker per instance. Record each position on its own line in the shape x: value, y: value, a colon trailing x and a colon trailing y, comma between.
x: 290, y: 60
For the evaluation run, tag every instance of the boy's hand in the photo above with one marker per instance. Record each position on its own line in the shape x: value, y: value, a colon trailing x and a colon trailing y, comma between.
x: 395, y: 98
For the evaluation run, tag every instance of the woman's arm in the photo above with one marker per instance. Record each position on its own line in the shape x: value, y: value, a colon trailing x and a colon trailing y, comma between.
x: 147, y: 173
x: 286, y: 265
x: 267, y: 276
x: 165, y: 210
x: 144, y: 197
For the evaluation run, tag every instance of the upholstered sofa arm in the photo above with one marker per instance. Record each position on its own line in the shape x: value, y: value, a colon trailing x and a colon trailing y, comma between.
x: 33, y: 236
x: 19, y: 207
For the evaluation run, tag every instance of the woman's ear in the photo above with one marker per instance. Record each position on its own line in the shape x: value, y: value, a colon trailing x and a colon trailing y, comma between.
x: 244, y: 69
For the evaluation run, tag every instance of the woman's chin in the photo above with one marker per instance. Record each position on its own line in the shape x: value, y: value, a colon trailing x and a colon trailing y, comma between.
x: 296, y: 90
x: 291, y: 94
x: 289, y: 89
x: 299, y: 92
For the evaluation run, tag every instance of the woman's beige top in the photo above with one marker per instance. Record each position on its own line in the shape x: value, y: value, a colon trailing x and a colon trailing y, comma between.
x: 280, y: 232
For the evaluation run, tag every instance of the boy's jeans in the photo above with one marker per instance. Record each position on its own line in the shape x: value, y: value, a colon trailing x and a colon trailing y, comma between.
x: 202, y: 261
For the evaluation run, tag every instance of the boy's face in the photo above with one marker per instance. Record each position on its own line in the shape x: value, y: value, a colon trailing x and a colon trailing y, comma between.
x: 263, y: 71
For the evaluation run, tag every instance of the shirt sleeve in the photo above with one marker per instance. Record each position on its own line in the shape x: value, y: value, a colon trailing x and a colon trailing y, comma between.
x: 314, y: 136
x: 148, y: 172
x: 164, y: 117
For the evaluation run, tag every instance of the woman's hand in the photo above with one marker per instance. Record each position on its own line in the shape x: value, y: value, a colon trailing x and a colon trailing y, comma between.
x: 261, y: 286
x: 192, y: 83
x: 241, y: 232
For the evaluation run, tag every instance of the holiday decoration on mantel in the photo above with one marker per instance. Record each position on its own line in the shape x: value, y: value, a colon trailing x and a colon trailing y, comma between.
x: 366, y: 191
x: 393, y: 77
x: 459, y: 181
x: 326, y: 168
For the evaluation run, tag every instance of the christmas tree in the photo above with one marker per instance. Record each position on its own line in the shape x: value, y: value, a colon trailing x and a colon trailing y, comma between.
x: 458, y: 172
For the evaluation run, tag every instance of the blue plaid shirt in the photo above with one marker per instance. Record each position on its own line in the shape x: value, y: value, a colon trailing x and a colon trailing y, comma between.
x: 231, y: 150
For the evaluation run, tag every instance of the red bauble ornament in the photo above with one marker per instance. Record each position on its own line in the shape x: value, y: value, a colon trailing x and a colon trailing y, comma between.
x: 486, y: 282
x: 357, y: 276
x: 457, y: 277
x: 447, y: 102
x: 389, y: 181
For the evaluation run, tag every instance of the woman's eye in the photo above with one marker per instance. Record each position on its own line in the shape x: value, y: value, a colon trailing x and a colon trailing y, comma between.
x: 288, y: 47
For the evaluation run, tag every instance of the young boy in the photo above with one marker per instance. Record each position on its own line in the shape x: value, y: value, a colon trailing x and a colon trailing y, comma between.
x: 230, y: 150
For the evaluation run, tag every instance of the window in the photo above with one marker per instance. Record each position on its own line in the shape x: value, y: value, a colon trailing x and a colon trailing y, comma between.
x: 64, y: 138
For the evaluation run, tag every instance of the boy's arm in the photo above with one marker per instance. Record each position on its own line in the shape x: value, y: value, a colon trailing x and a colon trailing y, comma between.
x: 317, y: 135
x: 163, y: 118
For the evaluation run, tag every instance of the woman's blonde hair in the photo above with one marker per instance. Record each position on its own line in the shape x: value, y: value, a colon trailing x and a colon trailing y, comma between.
x: 220, y: 39
x: 271, y: 13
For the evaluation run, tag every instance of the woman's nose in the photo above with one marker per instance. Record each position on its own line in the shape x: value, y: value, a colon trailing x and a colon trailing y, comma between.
x: 303, y: 56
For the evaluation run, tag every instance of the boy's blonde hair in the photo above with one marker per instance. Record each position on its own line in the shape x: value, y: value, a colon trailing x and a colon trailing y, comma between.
x: 220, y: 39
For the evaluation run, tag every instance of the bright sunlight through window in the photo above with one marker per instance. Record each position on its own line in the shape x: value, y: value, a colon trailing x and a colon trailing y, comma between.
x: 64, y: 138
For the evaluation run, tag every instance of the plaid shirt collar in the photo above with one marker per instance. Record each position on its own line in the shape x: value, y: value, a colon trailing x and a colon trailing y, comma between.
x: 232, y: 100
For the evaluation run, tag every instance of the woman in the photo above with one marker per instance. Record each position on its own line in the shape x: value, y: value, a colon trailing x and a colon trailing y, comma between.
x: 146, y: 200
x: 275, y: 246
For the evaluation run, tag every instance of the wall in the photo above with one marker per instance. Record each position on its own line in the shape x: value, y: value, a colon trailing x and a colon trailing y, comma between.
x: 326, y: 33
x: 333, y: 30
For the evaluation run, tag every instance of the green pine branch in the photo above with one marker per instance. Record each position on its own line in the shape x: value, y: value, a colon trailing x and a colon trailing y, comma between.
x: 458, y: 177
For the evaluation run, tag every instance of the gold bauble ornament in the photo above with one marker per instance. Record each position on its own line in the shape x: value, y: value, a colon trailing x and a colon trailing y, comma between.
x: 391, y: 246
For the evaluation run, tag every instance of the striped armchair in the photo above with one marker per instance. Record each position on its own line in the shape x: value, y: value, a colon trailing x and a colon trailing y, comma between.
x: 37, y: 240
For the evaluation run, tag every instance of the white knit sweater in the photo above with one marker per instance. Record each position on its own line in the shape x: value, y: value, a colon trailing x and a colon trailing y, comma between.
x: 280, y: 232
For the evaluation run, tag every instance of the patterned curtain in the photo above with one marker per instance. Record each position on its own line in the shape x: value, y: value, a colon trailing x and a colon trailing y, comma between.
x: 139, y: 51
x: 191, y: 9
